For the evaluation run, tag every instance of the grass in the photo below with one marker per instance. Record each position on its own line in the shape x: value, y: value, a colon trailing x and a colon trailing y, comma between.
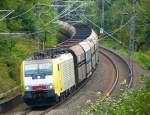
x: 141, y: 57
x: 5, y: 81
x: 12, y: 52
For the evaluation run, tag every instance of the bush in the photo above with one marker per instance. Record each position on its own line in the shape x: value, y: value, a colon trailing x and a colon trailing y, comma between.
x: 12, y: 52
x: 131, y: 102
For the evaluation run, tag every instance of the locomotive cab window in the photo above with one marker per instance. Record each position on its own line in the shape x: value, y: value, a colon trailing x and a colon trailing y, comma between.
x: 31, y: 69
x: 45, y: 68
x: 38, y: 69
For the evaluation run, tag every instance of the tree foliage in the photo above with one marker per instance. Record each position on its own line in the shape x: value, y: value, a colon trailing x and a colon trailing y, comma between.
x: 14, y: 49
x: 118, y: 13
x: 131, y: 102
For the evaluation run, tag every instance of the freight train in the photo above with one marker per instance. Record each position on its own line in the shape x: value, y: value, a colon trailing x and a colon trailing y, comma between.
x: 56, y: 72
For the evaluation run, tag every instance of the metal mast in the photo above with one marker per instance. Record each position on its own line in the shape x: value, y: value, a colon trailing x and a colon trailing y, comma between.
x: 37, y: 26
x: 103, y: 16
x: 132, y: 38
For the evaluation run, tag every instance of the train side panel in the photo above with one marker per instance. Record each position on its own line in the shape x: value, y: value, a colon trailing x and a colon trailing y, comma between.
x: 94, y: 38
x: 66, y: 73
x: 67, y: 67
x: 87, y: 50
x: 22, y: 78
x: 57, y: 76
x: 79, y: 59
x: 91, y: 44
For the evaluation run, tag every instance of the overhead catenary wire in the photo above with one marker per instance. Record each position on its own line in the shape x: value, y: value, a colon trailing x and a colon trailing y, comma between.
x: 61, y: 15
x: 110, y: 33
x: 18, y: 33
x: 54, y: 20
x: 72, y: 10
x: 8, y: 33
x: 121, y: 27
x: 17, y: 16
x: 108, y: 1
x: 4, y: 17
x: 22, y: 13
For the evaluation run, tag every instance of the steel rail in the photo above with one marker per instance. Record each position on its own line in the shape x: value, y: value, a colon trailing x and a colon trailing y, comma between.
x: 116, y: 71
x: 130, y: 71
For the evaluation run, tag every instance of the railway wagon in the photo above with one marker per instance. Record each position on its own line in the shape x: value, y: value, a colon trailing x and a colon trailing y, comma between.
x: 93, y: 38
x: 80, y: 62
x: 93, y: 59
x: 88, y: 53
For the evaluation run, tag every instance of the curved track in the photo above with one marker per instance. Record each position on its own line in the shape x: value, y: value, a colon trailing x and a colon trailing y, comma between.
x: 107, y: 83
x: 110, y: 85
x: 116, y: 76
x: 124, y: 71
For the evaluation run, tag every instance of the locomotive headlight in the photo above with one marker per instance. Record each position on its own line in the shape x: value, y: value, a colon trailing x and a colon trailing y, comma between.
x: 51, y: 86
x: 28, y: 88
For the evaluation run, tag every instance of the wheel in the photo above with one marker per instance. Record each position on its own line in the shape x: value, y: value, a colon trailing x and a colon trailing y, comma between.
x: 57, y: 99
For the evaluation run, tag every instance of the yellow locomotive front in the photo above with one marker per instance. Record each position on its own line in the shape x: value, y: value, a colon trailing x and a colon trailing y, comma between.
x: 37, y: 81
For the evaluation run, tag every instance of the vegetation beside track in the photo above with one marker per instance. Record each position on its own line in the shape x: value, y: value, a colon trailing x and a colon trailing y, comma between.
x: 130, y: 102
x: 12, y: 52
x: 141, y: 57
x: 15, y: 48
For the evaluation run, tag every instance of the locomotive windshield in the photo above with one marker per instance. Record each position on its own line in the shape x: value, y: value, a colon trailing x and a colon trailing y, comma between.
x: 37, y: 69
x: 45, y: 68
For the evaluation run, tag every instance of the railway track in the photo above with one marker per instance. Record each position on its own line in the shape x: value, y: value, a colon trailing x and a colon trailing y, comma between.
x: 116, y: 78
x: 112, y: 87
x: 124, y: 71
